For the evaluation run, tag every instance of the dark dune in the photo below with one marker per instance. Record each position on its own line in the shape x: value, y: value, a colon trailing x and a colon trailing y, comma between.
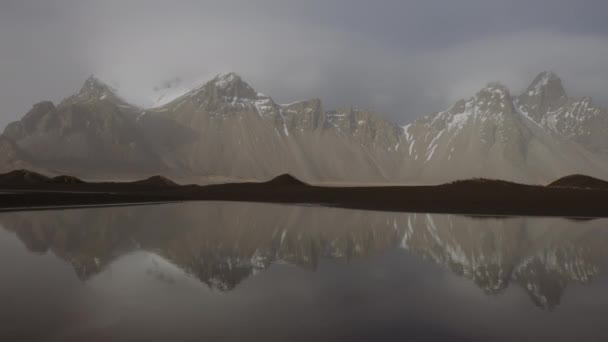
x: 156, y: 181
x: 28, y: 178
x: 580, y: 181
x: 66, y: 180
x: 475, y: 183
x: 285, y: 179
x: 22, y: 177
x: 482, y: 197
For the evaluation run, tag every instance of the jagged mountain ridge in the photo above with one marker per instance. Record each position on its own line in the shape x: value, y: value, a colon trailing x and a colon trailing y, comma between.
x: 486, y: 136
x: 93, y: 129
x: 546, y: 102
x: 226, y: 128
x: 244, y: 134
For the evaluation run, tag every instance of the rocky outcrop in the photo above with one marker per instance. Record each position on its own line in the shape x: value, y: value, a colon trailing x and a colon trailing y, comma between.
x: 580, y: 181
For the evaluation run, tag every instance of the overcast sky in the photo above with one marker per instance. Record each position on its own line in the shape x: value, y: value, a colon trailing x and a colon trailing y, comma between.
x: 398, y: 57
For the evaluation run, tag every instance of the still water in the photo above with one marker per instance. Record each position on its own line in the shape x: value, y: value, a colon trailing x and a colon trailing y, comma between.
x: 261, y: 272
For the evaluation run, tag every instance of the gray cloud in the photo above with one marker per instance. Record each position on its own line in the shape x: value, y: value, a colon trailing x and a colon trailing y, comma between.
x: 401, y: 58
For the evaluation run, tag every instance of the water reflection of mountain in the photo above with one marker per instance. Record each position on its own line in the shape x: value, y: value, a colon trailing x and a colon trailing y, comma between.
x: 224, y: 243
x: 542, y: 255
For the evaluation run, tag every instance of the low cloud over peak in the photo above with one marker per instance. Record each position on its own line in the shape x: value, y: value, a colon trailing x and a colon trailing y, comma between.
x: 403, y: 59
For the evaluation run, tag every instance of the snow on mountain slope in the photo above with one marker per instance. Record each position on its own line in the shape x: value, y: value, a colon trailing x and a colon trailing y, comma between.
x: 486, y: 136
x: 579, y: 120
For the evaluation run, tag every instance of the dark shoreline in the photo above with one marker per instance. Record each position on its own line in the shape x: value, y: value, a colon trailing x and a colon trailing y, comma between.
x: 473, y: 197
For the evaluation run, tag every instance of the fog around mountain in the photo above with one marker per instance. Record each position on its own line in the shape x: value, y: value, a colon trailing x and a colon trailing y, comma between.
x: 400, y: 58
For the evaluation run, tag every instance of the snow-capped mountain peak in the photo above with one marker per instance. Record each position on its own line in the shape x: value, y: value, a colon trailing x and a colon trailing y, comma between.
x: 546, y: 81
x: 546, y: 102
x: 494, y: 98
x: 231, y: 85
x: 224, y: 80
x: 94, y: 90
x: 544, y: 94
x: 93, y: 87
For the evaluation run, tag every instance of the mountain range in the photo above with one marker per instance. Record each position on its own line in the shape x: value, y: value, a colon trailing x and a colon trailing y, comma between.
x: 225, y: 129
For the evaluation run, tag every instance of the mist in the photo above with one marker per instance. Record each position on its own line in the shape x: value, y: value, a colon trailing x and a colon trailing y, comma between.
x: 403, y: 59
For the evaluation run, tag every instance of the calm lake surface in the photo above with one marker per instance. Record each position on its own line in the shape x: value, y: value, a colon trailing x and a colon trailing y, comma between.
x: 261, y: 272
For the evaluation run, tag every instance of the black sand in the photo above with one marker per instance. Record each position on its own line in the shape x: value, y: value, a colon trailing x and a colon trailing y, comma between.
x: 24, y: 190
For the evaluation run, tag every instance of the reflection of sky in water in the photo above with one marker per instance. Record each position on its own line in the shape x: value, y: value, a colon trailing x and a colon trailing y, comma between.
x: 256, y: 271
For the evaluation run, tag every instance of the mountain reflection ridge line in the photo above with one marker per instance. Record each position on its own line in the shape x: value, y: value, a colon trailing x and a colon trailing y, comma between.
x: 223, y: 244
